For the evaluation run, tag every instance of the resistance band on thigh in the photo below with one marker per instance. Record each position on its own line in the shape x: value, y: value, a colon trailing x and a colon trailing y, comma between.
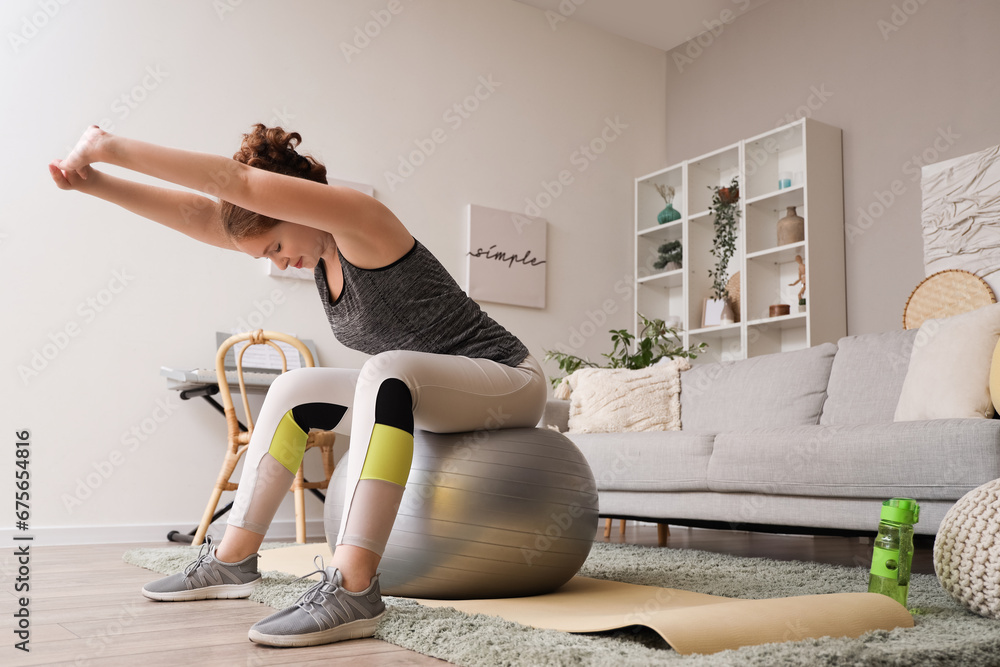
x: 372, y: 510
x: 289, y: 442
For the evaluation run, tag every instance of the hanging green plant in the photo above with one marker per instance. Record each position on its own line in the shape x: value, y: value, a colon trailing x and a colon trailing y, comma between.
x: 725, y: 207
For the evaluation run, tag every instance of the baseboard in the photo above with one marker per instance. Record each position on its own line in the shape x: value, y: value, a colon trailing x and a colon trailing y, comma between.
x: 72, y: 535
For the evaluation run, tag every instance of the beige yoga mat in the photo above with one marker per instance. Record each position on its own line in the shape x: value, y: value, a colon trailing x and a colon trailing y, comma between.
x: 689, y: 622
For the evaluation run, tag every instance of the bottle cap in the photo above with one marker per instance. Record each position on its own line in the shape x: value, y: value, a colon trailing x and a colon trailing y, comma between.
x: 901, y: 510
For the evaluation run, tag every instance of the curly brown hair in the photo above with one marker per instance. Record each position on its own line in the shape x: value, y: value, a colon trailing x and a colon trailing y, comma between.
x: 273, y: 149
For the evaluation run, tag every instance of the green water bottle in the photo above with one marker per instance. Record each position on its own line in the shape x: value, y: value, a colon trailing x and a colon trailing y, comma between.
x: 893, y: 554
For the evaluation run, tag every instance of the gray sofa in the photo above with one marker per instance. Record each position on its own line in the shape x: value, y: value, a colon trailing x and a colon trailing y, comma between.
x: 799, y: 441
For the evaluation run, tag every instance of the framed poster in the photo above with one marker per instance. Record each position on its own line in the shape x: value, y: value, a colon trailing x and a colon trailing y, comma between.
x: 506, y: 258
x: 711, y: 311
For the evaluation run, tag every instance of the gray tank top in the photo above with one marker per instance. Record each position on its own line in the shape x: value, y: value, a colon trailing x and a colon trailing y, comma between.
x: 413, y: 304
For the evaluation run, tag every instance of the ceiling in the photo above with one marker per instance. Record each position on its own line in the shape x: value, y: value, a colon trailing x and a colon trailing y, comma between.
x: 663, y: 24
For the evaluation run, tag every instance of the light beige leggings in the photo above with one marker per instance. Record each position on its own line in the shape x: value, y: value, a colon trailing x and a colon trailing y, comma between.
x: 447, y: 394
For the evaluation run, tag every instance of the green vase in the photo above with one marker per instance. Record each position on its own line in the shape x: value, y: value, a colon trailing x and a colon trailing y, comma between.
x: 669, y: 214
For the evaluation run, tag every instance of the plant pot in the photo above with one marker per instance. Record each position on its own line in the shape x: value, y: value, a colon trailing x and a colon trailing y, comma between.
x: 672, y: 266
x: 791, y: 228
x: 669, y: 214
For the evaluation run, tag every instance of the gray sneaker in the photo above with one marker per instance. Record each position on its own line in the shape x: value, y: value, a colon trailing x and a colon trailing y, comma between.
x: 323, y: 614
x: 207, y: 578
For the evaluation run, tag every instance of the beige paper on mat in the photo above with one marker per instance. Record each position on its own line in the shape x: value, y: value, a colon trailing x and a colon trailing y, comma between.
x: 689, y: 622
x: 694, y: 622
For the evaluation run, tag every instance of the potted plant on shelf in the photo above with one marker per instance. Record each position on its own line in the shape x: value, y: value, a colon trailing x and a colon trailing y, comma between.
x: 725, y: 207
x: 656, y: 341
x: 668, y: 214
x: 671, y: 256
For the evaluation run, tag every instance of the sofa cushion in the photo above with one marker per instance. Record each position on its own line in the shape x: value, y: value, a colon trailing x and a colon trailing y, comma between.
x: 939, y: 459
x: 866, y: 378
x: 647, y: 461
x: 618, y: 400
x: 949, y: 371
x: 785, y: 389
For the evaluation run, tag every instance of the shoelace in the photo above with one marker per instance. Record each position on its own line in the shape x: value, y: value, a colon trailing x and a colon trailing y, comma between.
x: 202, y: 559
x: 315, y: 593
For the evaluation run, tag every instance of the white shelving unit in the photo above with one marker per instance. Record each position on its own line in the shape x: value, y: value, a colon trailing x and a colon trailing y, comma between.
x: 811, y: 153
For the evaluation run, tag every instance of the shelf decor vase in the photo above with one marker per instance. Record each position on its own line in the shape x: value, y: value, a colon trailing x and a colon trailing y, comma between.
x: 728, y: 316
x: 669, y: 214
x: 791, y: 228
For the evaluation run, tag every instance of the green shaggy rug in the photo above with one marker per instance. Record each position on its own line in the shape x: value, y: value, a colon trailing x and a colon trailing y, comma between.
x: 945, y: 633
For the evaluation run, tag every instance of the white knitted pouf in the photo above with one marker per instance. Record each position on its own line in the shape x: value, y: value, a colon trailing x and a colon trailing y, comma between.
x: 967, y: 550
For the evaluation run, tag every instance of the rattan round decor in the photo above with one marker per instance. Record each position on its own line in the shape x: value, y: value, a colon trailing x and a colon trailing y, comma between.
x: 733, y: 288
x: 944, y: 294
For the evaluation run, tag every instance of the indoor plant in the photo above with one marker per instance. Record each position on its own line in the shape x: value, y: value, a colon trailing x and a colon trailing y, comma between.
x: 671, y: 255
x: 656, y: 341
x: 725, y: 207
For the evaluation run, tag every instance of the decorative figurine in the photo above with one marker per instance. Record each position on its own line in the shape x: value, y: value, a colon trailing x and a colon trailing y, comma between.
x: 802, y: 278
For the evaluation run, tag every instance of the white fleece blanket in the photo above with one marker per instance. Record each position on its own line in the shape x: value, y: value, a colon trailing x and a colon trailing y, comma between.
x: 615, y: 400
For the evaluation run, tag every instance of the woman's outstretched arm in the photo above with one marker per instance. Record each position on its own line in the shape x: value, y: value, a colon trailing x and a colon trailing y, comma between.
x: 344, y: 212
x: 186, y: 212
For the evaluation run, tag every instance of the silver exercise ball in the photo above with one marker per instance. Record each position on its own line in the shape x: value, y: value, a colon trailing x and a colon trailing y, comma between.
x: 485, y: 514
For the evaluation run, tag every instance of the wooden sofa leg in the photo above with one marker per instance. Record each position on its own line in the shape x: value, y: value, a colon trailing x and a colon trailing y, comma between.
x: 662, y: 533
x: 607, y: 528
x: 621, y: 527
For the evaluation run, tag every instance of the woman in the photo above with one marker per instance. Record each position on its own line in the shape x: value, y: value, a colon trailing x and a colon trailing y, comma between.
x: 440, y: 363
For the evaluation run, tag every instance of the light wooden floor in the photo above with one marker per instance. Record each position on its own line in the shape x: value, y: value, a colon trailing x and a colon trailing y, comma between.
x: 86, y: 609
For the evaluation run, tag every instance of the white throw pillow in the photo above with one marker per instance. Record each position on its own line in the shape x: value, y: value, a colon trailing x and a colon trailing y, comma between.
x: 605, y: 400
x: 949, y: 372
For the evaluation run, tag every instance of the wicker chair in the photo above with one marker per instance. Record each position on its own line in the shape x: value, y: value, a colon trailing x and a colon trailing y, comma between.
x: 239, y: 440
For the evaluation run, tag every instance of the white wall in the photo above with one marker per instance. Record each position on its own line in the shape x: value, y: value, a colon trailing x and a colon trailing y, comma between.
x: 909, y: 82
x: 217, y: 72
